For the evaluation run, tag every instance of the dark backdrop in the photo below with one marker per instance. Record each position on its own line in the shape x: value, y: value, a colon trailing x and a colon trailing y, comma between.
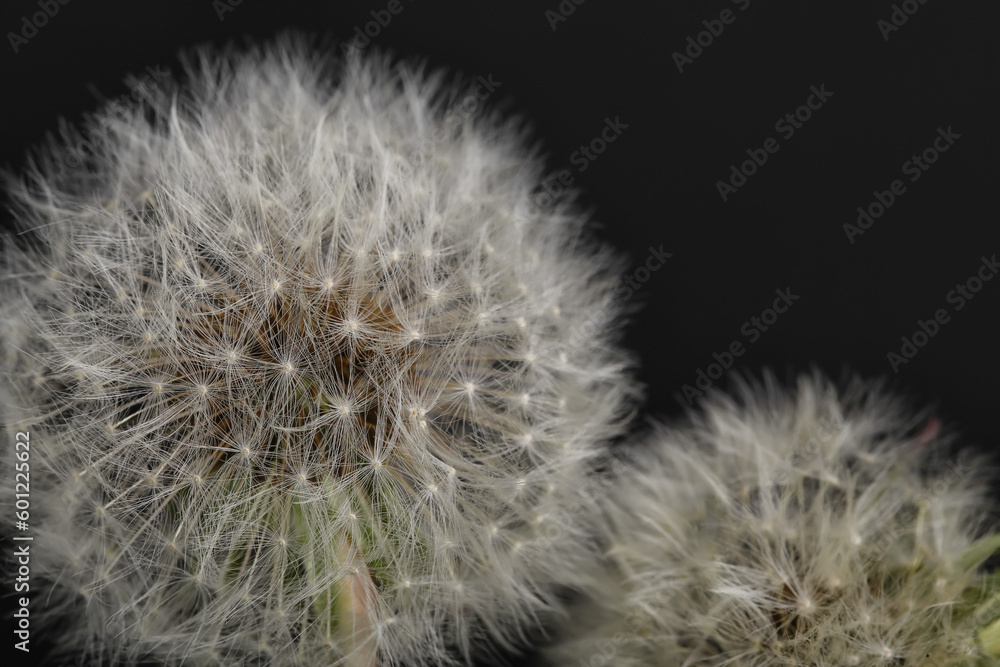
x: 694, y: 89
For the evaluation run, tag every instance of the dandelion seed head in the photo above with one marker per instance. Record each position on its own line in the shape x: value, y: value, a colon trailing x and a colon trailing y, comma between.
x: 225, y: 316
x: 751, y: 513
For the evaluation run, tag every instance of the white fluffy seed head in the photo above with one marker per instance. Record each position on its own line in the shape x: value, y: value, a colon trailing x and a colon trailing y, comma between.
x: 808, y: 527
x: 267, y: 487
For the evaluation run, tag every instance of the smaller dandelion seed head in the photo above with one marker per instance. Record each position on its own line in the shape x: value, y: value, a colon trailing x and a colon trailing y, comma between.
x: 287, y: 367
x: 202, y: 389
x: 706, y: 488
x: 328, y: 284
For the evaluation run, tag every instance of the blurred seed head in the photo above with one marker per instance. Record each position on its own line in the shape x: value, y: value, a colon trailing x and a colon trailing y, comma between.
x: 802, y: 527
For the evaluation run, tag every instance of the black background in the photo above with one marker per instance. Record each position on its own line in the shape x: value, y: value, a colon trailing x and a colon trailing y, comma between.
x: 656, y: 184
